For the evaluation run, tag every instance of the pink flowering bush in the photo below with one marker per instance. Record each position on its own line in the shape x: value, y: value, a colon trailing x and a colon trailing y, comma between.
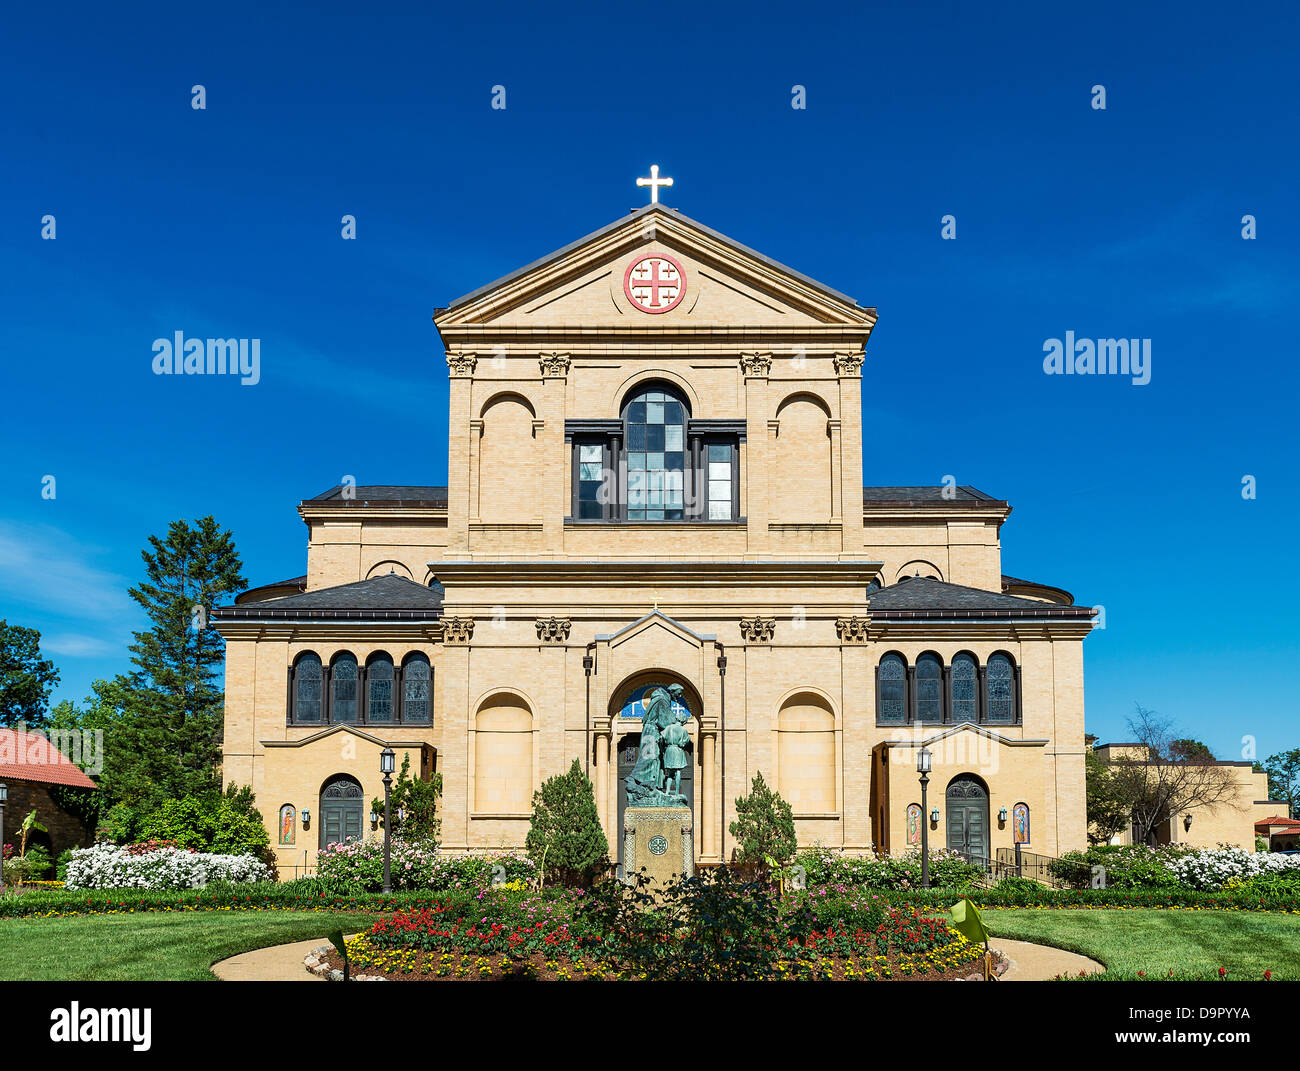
x: 359, y: 865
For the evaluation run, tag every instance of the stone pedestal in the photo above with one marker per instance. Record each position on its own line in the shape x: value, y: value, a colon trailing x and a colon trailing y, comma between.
x: 661, y: 840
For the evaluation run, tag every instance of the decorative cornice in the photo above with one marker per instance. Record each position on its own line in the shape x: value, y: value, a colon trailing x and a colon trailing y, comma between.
x: 848, y: 363
x: 851, y: 629
x: 461, y: 362
x: 757, y: 629
x: 553, y: 629
x: 457, y: 629
x: 555, y: 364
x: 756, y: 365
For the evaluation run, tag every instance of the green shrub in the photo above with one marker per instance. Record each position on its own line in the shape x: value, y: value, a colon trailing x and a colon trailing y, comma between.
x: 764, y: 827
x: 826, y: 868
x: 1124, y: 866
x: 227, y: 824
x: 565, y: 836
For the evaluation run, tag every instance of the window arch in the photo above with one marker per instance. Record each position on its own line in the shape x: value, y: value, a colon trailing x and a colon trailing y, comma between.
x: 929, y: 688
x: 805, y: 734
x: 380, y: 705
x: 654, y: 428
x: 963, y: 684
x: 417, y: 692
x: 891, y: 690
x: 344, y: 705
x: 503, y: 756
x: 1000, y: 690
x: 306, y: 695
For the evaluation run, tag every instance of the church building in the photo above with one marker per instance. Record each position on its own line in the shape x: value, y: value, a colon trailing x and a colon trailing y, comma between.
x: 656, y: 467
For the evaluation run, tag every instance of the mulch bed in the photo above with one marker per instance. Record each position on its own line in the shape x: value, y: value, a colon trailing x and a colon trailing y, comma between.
x: 498, y: 967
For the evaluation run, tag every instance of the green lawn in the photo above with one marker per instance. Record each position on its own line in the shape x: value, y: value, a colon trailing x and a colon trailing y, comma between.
x: 1190, y: 943
x: 158, y: 947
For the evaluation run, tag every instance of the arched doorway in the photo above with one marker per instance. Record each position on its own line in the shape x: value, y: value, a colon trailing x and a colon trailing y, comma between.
x: 967, y: 809
x: 342, y: 803
x: 628, y: 706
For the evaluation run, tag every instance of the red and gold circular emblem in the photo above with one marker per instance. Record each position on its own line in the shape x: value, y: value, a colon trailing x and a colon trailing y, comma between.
x: 655, y: 283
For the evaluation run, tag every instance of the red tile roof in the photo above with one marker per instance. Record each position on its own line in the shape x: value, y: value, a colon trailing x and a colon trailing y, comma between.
x: 1277, y: 820
x: 28, y: 756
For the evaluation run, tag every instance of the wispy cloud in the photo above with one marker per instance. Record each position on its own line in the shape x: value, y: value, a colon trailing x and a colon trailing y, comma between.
x: 73, y: 645
x: 45, y: 568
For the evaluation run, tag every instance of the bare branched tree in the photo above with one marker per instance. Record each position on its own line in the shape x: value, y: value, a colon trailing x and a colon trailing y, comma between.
x: 1167, y: 776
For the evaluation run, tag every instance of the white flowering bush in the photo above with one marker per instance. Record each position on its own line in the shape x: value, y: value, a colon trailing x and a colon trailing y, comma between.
x: 110, y: 866
x: 1213, y: 868
x: 414, y: 864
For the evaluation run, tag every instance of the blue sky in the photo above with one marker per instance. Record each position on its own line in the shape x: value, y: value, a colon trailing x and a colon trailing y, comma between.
x: 225, y: 222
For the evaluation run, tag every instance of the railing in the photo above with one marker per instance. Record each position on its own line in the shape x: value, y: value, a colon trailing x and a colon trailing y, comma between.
x: 1006, y: 863
x: 1030, y: 865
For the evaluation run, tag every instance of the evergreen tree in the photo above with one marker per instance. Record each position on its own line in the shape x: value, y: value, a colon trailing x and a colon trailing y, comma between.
x: 25, y: 677
x: 171, y: 723
x: 565, y: 836
x: 764, y: 826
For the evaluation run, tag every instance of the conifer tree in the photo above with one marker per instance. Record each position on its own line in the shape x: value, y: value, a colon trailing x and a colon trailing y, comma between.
x: 764, y: 827
x: 171, y: 722
x: 565, y: 836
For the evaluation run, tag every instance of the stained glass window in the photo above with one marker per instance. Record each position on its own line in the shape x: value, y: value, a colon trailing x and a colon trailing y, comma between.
x: 656, y: 435
x: 417, y: 704
x: 964, y: 703
x: 307, y: 689
x: 343, y: 688
x: 891, y: 702
x: 379, y: 690
x: 929, y: 688
x: 999, y: 677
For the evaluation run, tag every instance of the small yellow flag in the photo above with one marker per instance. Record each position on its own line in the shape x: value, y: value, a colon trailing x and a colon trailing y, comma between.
x: 967, y: 922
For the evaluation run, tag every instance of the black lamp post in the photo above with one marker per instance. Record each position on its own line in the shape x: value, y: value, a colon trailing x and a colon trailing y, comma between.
x: 4, y: 795
x: 923, y: 768
x: 386, y: 761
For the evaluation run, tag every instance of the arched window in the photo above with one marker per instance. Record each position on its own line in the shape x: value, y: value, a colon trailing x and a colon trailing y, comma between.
x: 343, y: 688
x: 307, y: 689
x: 929, y: 688
x: 417, y: 697
x: 965, y: 699
x: 891, y: 690
x: 655, y: 429
x: 379, y: 690
x: 1000, y: 690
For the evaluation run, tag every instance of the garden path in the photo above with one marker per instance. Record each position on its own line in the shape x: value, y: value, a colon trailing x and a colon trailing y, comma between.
x: 1036, y: 963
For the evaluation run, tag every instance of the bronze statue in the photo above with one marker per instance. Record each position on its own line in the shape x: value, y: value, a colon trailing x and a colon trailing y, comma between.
x: 662, y: 746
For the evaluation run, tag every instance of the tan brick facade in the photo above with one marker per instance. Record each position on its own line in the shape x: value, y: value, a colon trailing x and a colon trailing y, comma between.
x: 763, y: 616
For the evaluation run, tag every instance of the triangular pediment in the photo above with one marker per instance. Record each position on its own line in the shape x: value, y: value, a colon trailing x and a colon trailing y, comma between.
x: 708, y: 279
x: 656, y: 622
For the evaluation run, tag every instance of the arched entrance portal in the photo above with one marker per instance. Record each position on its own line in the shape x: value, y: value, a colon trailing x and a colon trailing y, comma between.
x: 629, y: 708
x: 341, y: 805
x: 967, y: 808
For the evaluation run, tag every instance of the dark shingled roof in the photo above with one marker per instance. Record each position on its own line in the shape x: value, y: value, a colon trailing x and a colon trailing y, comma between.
x: 382, y: 494
x: 922, y: 597
x: 926, y: 496
x: 379, y: 598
